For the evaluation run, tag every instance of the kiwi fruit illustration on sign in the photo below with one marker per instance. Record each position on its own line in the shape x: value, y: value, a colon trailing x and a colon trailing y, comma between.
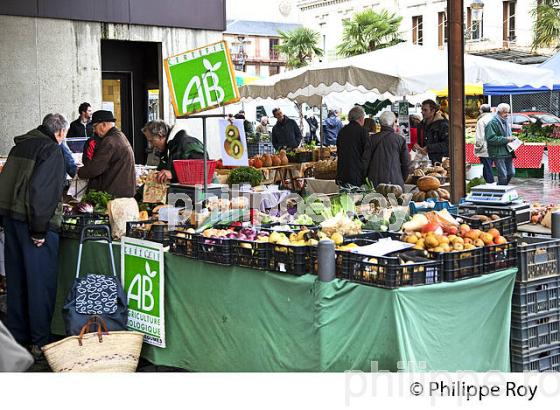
x: 234, y: 145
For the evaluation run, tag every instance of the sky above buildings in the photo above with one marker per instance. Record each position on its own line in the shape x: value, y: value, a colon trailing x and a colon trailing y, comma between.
x: 263, y: 10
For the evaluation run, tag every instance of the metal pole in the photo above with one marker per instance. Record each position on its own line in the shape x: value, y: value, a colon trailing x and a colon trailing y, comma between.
x: 321, y: 123
x: 205, y: 157
x: 326, y: 260
x: 555, y: 225
x: 456, y: 86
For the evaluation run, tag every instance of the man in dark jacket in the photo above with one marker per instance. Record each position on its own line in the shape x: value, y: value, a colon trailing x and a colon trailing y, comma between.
x: 112, y: 167
x: 433, y: 133
x: 286, y: 132
x: 31, y: 186
x: 331, y: 127
x: 82, y: 126
x: 353, y: 150
x: 498, y: 135
x: 389, y: 154
x: 171, y: 146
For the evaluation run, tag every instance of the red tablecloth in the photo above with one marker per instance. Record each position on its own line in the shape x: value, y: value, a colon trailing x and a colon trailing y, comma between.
x: 554, y: 158
x: 469, y: 154
x: 528, y: 156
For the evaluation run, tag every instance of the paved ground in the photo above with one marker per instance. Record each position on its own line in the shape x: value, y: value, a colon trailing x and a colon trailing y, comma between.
x: 544, y: 190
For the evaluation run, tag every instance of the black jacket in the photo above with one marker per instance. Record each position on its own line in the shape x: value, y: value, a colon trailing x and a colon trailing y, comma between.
x: 32, y: 181
x: 78, y: 130
x: 182, y: 146
x: 286, y: 134
x: 435, y: 137
x: 389, y: 158
x: 354, y: 152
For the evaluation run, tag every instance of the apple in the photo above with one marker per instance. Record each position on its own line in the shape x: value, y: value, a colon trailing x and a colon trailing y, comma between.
x: 500, y: 240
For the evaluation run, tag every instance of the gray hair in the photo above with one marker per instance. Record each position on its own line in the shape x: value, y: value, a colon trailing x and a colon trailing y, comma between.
x: 387, y: 118
x: 55, y: 122
x: 264, y: 118
x: 503, y: 107
x: 157, y: 127
x: 485, y: 108
x: 356, y: 113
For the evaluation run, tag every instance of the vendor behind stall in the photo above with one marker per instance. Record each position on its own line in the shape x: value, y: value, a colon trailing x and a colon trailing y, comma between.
x: 172, y: 145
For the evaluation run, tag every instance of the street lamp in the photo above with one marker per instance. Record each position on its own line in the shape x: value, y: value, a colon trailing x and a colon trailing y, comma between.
x: 241, y: 56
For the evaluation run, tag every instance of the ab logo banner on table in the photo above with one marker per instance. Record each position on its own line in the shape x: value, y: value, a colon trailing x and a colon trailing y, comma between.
x: 201, y: 79
x: 143, y: 282
x: 233, y: 143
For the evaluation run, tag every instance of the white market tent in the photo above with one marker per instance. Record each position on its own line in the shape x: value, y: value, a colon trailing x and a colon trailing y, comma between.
x: 401, y: 70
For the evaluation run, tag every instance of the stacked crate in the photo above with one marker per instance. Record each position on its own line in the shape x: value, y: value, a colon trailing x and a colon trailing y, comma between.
x: 535, y: 316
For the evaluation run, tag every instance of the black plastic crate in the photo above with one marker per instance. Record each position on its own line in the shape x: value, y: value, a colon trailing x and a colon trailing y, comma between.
x: 536, y: 297
x: 519, y: 214
x: 291, y: 259
x: 545, y: 360
x: 252, y: 254
x: 149, y: 231
x: 183, y: 243
x: 301, y: 157
x: 259, y: 148
x: 542, y: 331
x: 72, y: 225
x: 506, y: 224
x: 343, y: 263
x: 500, y: 257
x: 390, y: 271
x: 458, y: 265
x: 214, y: 250
x: 374, y: 235
x: 537, y: 258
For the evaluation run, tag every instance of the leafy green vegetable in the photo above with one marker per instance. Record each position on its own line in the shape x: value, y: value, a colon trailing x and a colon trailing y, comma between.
x: 245, y: 175
x: 343, y: 203
x: 474, y: 182
x: 98, y: 199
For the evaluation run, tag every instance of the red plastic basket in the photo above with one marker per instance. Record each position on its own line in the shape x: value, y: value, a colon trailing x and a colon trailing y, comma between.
x: 191, y: 171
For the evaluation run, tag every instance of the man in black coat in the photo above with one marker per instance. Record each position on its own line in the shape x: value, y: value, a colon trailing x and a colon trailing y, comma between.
x: 286, y: 132
x: 433, y: 133
x: 353, y: 150
x: 389, y: 154
x: 82, y: 126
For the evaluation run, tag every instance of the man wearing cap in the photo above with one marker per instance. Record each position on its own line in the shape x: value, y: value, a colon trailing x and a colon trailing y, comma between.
x: 111, y: 168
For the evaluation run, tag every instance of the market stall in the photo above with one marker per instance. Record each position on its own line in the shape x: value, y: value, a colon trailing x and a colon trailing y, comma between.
x: 228, y: 318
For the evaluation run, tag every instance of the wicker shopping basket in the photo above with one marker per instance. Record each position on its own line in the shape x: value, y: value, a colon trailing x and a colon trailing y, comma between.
x: 100, y: 351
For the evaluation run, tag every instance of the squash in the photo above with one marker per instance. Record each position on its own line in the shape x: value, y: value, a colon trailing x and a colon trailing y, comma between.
x: 418, y: 172
x: 443, y: 194
x: 419, y: 196
x: 428, y: 183
x: 143, y: 216
x: 283, y: 158
x: 257, y: 162
x: 276, y: 161
x: 267, y: 161
x: 432, y: 194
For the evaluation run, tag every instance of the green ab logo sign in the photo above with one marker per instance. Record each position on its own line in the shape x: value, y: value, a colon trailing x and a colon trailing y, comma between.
x: 201, y: 79
x: 141, y: 289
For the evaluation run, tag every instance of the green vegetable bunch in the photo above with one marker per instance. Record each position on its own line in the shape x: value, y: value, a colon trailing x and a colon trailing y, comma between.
x: 474, y: 182
x: 98, y: 199
x: 245, y: 175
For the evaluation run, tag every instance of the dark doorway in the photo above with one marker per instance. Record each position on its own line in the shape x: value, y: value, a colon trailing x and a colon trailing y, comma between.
x: 131, y: 70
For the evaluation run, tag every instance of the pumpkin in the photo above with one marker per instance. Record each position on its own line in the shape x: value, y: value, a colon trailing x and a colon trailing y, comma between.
x: 267, y: 161
x: 443, y: 194
x: 251, y: 162
x: 432, y: 194
x: 419, y: 196
x: 283, y: 158
x: 418, y: 172
x: 276, y: 161
x: 428, y: 183
x: 257, y: 162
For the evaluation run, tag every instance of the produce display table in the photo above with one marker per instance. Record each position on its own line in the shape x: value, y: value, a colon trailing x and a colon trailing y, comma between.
x: 321, y: 186
x: 527, y: 156
x: 236, y: 319
x: 534, y: 229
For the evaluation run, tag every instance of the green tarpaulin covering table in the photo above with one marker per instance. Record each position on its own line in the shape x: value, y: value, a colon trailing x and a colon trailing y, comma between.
x: 239, y: 319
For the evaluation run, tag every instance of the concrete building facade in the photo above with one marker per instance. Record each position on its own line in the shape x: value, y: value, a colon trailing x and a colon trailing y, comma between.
x: 54, y: 64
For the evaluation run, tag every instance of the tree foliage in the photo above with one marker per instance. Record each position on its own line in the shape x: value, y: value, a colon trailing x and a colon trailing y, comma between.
x: 368, y: 31
x: 546, y: 17
x: 299, y: 46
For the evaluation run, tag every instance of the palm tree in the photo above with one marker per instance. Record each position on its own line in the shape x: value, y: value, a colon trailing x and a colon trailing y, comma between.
x: 368, y: 31
x: 547, y: 24
x: 299, y: 46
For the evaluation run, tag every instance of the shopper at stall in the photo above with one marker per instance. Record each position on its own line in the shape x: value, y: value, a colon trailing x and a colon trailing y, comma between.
x: 498, y: 135
x: 389, y: 155
x: 353, y: 150
x: 313, y: 127
x: 262, y: 126
x: 433, y: 133
x: 286, y: 132
x: 247, y: 126
x: 172, y: 143
x: 331, y: 127
x: 82, y: 126
x: 31, y: 186
x: 481, y: 147
x: 414, y: 121
x: 111, y: 168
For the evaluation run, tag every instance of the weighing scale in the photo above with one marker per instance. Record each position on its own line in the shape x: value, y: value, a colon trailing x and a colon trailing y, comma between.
x: 493, y: 194
x: 491, y: 197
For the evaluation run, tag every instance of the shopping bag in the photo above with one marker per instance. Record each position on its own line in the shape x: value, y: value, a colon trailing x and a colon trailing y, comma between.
x: 95, y: 294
